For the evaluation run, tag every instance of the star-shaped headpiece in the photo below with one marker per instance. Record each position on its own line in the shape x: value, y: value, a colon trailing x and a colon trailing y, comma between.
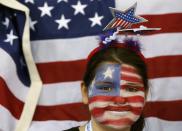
x: 124, y: 19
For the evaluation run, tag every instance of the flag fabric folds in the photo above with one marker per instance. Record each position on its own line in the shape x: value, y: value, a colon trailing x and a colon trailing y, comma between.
x: 62, y: 33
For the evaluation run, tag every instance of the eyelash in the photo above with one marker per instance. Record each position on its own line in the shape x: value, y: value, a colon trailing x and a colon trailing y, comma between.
x: 105, y: 88
x: 131, y: 88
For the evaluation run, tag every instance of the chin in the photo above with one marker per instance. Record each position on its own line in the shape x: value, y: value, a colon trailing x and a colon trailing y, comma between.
x: 118, y: 127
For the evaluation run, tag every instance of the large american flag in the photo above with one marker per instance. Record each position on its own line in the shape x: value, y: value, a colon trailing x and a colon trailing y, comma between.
x: 62, y: 33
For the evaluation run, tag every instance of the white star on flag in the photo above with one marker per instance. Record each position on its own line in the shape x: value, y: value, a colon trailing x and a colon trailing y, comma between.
x: 32, y: 24
x: 96, y: 20
x: 10, y: 37
x: 45, y: 10
x: 79, y: 8
x: 61, y: 1
x: 63, y: 22
x: 108, y: 73
x: 6, y: 22
x: 31, y: 1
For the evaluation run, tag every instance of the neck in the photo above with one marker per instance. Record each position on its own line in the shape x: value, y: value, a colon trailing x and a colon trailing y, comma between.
x: 99, y: 127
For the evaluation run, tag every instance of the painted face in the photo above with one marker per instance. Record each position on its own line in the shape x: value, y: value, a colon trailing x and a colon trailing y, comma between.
x: 116, y: 95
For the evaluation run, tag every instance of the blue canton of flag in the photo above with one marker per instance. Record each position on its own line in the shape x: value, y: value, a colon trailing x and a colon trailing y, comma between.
x: 11, y: 30
x: 68, y: 19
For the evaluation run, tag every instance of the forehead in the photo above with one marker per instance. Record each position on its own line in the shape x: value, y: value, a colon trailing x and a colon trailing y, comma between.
x: 122, y: 67
x: 124, y: 71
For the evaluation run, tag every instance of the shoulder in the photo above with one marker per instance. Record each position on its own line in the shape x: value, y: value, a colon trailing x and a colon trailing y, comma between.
x: 73, y: 129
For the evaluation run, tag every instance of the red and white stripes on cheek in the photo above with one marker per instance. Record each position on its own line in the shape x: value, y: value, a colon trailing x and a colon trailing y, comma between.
x: 107, y: 112
x: 99, y: 104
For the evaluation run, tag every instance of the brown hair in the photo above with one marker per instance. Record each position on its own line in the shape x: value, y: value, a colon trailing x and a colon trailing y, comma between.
x: 118, y: 55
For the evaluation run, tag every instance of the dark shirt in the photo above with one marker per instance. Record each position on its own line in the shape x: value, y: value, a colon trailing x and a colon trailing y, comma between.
x: 73, y: 129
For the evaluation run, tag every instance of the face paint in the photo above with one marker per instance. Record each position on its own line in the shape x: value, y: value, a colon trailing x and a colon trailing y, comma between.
x: 106, y: 81
x: 116, y: 95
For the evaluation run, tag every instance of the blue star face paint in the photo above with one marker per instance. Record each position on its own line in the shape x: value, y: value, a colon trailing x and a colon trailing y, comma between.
x: 106, y: 81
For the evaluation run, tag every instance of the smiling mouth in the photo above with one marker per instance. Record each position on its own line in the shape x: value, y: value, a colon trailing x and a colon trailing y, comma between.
x: 118, y: 108
x: 121, y: 113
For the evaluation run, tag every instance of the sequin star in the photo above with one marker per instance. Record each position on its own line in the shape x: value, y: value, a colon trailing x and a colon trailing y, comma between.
x: 124, y: 19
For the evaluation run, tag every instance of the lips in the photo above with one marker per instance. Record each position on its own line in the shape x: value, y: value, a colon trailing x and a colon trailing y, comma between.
x: 100, y: 111
x: 117, y: 108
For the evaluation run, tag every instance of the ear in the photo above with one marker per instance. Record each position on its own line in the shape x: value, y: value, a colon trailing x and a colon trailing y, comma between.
x: 146, y: 93
x: 84, y: 91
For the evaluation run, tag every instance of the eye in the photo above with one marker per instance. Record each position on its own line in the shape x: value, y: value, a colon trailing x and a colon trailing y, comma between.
x: 131, y: 88
x: 105, y: 88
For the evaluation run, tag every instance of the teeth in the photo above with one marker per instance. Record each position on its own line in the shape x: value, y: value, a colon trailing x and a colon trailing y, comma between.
x: 119, y: 112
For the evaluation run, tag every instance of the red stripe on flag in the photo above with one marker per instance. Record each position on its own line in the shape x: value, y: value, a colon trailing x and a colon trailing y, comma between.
x: 167, y: 110
x: 64, y: 71
x: 9, y: 101
x: 164, y: 66
x: 61, y: 71
x: 168, y: 23
x: 74, y: 111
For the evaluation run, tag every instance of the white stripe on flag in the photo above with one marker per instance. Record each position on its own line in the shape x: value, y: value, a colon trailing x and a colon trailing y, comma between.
x: 163, y: 89
x: 151, y: 46
x: 151, y: 6
x: 155, y: 124
x: 63, y: 49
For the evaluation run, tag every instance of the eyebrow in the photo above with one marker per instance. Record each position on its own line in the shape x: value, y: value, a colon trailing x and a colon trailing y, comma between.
x: 137, y: 84
x: 104, y: 82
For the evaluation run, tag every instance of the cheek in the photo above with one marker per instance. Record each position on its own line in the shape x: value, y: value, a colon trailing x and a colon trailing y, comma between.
x: 98, y: 104
x: 102, y: 107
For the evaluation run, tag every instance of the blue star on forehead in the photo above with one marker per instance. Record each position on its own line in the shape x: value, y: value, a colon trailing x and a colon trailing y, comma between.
x: 124, y: 19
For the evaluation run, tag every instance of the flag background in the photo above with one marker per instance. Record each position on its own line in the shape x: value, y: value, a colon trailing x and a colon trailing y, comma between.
x: 60, y: 56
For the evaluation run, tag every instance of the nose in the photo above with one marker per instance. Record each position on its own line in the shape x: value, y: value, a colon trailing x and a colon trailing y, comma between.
x: 119, y: 100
